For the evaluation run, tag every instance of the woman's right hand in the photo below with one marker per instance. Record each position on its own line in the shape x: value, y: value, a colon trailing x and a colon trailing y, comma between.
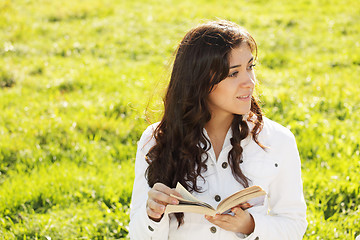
x: 159, y: 197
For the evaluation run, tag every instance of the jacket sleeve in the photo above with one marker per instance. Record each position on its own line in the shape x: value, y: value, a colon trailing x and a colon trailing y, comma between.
x: 141, y: 226
x: 286, y: 219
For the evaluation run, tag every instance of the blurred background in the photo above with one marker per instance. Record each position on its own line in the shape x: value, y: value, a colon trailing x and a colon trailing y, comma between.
x: 81, y: 79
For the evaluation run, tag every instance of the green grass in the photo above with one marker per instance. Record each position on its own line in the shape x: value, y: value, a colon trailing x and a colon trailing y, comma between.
x: 76, y: 78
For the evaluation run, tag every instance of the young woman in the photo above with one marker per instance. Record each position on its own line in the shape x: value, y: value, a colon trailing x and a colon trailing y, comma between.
x: 214, y: 140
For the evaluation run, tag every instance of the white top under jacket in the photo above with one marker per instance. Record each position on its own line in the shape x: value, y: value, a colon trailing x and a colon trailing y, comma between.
x: 277, y: 170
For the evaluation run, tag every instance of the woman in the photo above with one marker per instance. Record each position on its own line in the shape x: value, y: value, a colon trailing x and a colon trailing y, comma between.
x: 214, y: 140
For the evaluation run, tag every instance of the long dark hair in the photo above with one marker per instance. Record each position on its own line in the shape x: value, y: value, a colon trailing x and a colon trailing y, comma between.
x: 201, y: 62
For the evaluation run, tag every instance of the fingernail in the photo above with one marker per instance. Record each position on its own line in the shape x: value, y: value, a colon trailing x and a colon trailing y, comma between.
x: 175, y: 202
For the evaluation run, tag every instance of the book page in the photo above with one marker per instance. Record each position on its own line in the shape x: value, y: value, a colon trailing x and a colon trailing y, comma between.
x: 185, y: 193
x: 188, y: 198
x: 259, y: 196
x: 189, y: 202
x: 240, y: 193
x: 189, y: 208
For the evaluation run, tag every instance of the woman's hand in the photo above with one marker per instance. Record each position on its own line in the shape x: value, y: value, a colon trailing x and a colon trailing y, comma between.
x: 241, y: 222
x: 159, y: 197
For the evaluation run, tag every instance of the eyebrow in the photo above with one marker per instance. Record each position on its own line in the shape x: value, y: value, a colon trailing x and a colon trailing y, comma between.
x: 235, y: 66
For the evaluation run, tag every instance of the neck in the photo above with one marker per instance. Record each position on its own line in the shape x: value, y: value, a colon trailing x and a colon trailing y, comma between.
x: 217, y: 128
x: 219, y: 125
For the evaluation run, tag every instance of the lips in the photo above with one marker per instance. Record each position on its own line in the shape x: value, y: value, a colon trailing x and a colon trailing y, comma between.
x: 244, y: 96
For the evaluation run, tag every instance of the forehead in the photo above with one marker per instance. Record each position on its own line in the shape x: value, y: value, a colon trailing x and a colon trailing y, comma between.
x: 240, y: 55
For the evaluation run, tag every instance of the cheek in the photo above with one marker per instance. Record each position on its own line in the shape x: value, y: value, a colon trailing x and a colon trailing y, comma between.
x: 218, y: 95
x: 213, y: 98
x: 223, y: 91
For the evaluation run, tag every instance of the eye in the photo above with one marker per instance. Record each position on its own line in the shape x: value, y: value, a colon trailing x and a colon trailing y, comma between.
x: 234, y: 74
x: 251, y: 67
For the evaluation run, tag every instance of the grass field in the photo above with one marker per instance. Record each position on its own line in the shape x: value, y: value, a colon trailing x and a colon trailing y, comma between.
x: 76, y: 78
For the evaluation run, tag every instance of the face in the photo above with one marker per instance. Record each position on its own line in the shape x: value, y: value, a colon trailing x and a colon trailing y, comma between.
x: 233, y: 94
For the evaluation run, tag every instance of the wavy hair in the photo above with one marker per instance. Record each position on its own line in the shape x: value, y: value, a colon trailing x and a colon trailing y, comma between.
x: 201, y: 62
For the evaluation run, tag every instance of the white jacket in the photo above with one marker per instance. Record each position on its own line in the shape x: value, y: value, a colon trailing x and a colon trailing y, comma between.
x: 277, y: 170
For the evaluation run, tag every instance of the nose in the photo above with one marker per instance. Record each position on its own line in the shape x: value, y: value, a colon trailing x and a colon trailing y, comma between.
x: 248, y: 80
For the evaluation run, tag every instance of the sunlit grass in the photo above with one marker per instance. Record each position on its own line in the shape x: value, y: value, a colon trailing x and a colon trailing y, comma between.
x: 76, y: 78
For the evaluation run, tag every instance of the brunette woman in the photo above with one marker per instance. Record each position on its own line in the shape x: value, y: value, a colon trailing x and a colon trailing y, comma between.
x: 214, y: 140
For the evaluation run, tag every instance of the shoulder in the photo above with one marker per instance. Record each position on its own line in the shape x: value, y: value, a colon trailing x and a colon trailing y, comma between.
x: 147, y: 138
x: 276, y: 133
x: 150, y: 130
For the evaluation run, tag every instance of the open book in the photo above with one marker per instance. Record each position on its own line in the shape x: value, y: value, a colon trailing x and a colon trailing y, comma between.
x: 245, y: 198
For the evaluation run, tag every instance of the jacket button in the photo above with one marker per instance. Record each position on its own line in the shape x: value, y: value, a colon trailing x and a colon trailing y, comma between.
x: 241, y: 161
x: 150, y: 228
x: 213, y: 229
x: 217, y: 198
x: 224, y: 165
x: 257, y: 238
x: 276, y: 165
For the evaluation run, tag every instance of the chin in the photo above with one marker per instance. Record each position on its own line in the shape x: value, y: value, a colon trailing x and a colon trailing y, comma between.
x: 244, y: 112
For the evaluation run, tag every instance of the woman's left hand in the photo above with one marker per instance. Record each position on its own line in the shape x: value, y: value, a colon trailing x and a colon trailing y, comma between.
x: 241, y: 222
